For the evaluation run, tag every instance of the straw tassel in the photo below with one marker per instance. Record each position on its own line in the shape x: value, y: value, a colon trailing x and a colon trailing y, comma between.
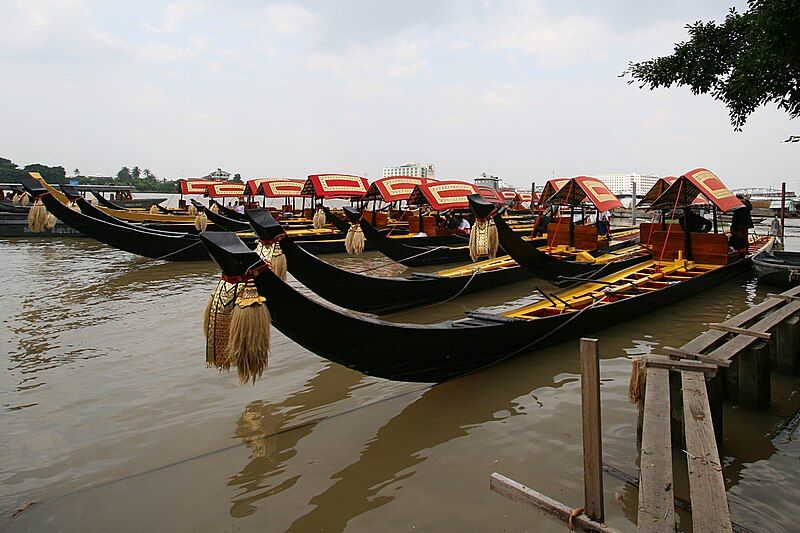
x: 201, y: 221
x: 24, y: 199
x: 249, y: 334
x: 354, y: 240
x: 272, y: 254
x: 38, y: 217
x: 483, y: 240
x: 214, y: 208
x: 637, y: 380
x: 153, y: 210
x: 319, y: 219
x: 73, y: 205
x: 192, y: 210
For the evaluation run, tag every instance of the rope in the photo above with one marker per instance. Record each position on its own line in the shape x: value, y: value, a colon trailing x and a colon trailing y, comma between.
x: 401, y: 261
x: 456, y: 295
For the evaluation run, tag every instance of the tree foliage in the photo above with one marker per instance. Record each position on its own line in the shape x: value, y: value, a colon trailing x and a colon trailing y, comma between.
x: 749, y: 60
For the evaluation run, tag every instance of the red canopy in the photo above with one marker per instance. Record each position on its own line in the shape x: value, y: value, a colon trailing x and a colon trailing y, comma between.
x: 491, y: 194
x: 510, y: 195
x: 585, y: 189
x: 225, y: 188
x: 281, y: 188
x: 335, y: 186
x: 441, y: 195
x: 196, y: 186
x: 661, y: 185
x: 393, y: 188
x: 551, y: 187
x: 695, y: 182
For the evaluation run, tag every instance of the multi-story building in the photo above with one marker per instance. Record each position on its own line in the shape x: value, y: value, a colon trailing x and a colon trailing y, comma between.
x: 620, y: 184
x: 487, y: 180
x: 414, y: 170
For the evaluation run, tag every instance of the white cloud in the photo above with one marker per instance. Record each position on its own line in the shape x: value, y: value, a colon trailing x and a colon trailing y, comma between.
x: 290, y: 19
x: 175, y: 14
x: 164, y: 52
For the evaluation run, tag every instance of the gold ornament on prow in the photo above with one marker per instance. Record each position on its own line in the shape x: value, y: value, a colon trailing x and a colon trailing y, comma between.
x: 192, y: 210
x: 15, y: 199
x: 272, y: 254
x: 154, y: 209
x: 319, y: 219
x: 73, y: 205
x: 201, y: 221
x: 214, y: 208
x: 24, y: 199
x: 51, y: 221
x: 354, y: 240
x: 483, y: 240
x: 38, y: 217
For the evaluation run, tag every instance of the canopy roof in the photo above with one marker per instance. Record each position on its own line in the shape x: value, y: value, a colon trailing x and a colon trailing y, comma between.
x: 659, y: 187
x: 493, y: 195
x: 196, y: 186
x: 585, y: 189
x: 393, y: 188
x: 684, y: 190
x: 551, y: 187
x: 441, y: 195
x: 281, y: 188
x: 335, y: 186
x: 226, y: 188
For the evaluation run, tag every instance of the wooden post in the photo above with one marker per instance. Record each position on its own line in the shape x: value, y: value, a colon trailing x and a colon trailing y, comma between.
x: 633, y: 201
x: 533, y: 197
x: 754, y: 384
x: 571, y: 225
x: 732, y: 381
x: 787, y: 345
x: 783, y: 210
x: 592, y: 430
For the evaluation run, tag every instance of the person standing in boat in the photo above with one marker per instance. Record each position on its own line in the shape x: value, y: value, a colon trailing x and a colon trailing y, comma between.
x: 463, y: 225
x: 603, y: 222
x: 741, y: 220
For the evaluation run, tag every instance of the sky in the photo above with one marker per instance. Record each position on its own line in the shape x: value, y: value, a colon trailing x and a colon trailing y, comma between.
x: 524, y: 90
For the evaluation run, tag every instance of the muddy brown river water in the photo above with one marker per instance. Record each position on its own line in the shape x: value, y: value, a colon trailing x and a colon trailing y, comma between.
x: 110, y: 419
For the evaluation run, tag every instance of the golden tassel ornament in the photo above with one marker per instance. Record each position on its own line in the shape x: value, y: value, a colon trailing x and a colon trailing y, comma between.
x: 51, y: 221
x: 24, y: 200
x: 272, y: 254
x: 201, y: 221
x: 153, y: 209
x: 354, y: 240
x: 214, y: 208
x: 73, y: 205
x: 192, y: 210
x: 249, y: 334
x: 16, y: 198
x: 38, y: 217
x: 483, y: 240
x: 319, y: 219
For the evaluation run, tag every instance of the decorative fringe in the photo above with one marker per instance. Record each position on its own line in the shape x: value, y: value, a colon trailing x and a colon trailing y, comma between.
x: 15, y: 199
x: 201, y: 221
x: 154, y: 210
x: 248, y: 338
x: 273, y: 256
x: 192, y: 210
x: 214, y: 208
x: 73, y: 205
x: 93, y: 201
x: 638, y: 379
x: 483, y: 240
x: 25, y: 199
x: 354, y: 240
x: 319, y: 219
x: 51, y: 221
x: 38, y: 217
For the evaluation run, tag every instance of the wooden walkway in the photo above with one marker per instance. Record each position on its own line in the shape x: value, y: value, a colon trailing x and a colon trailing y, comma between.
x: 680, y: 398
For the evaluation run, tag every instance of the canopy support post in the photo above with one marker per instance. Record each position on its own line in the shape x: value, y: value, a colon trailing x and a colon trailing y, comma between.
x: 687, y: 235
x: 533, y: 197
x: 783, y: 210
x: 571, y: 225
x: 714, y: 213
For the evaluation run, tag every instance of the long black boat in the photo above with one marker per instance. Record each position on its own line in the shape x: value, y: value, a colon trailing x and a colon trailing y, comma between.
x: 438, y: 352
x: 778, y: 268
x: 550, y: 267
x: 378, y: 294
x: 224, y: 211
x: 140, y: 241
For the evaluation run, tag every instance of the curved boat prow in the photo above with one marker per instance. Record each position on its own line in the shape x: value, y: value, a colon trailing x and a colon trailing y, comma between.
x: 32, y: 186
x: 70, y: 191
x: 353, y: 214
x: 228, y: 251
x: 480, y: 206
x: 335, y: 221
x: 264, y: 224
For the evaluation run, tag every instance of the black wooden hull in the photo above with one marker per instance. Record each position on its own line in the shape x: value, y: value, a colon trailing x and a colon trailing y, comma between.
x: 781, y: 269
x: 438, y: 352
x: 382, y: 295
x: 415, y: 255
x: 155, y: 245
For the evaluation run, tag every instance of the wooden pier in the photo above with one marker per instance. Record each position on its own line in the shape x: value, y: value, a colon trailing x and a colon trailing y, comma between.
x: 680, y: 396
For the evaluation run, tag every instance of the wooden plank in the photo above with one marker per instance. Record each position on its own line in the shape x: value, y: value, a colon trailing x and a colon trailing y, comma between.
x: 788, y: 343
x: 739, y: 331
x: 592, y: 430
x: 676, y: 352
x: 709, y: 338
x: 707, y: 488
x: 787, y: 297
x: 520, y: 493
x: 754, y: 377
x: 657, y: 361
x: 741, y: 342
x: 656, y: 497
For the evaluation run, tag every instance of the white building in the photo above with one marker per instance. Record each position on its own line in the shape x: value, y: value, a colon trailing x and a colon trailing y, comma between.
x: 414, y: 170
x: 218, y: 174
x: 487, y: 180
x: 620, y: 184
